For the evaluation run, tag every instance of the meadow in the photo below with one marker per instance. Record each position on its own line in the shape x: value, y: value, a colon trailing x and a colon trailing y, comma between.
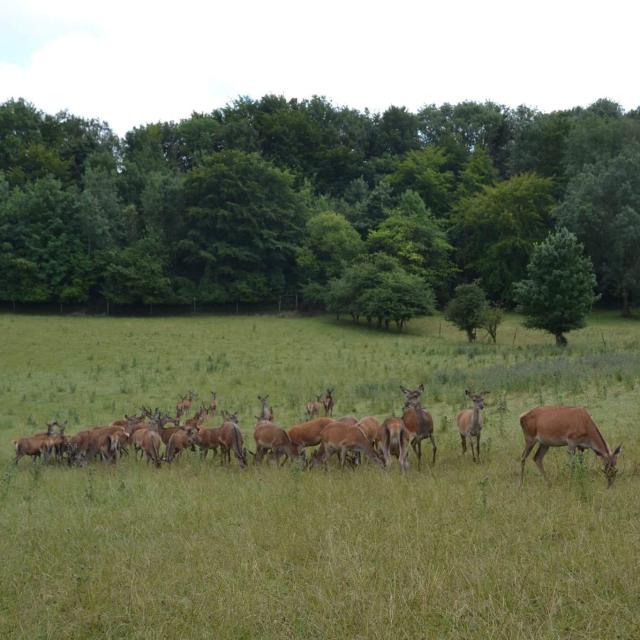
x: 195, y: 550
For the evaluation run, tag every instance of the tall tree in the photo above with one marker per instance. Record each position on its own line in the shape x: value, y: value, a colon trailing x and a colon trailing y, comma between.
x: 243, y: 223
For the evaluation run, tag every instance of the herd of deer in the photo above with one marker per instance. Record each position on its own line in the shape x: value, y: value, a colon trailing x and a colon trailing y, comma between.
x: 348, y: 437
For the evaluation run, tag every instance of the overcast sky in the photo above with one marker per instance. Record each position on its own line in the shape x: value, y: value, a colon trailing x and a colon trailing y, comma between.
x: 130, y: 62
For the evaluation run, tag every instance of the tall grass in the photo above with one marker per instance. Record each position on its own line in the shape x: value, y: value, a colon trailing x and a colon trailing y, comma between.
x: 195, y: 550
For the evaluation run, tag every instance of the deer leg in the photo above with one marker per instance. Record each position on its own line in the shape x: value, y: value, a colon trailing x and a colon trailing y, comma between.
x: 417, y: 447
x: 523, y: 459
x: 537, y: 458
x: 435, y: 448
x: 478, y: 446
x: 463, y: 442
x: 343, y: 457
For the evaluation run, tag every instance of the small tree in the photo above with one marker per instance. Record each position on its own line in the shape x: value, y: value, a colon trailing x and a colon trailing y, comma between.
x: 559, y: 292
x: 467, y: 309
x: 493, y: 317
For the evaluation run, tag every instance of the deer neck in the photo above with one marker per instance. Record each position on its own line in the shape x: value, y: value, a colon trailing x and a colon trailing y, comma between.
x: 476, y: 418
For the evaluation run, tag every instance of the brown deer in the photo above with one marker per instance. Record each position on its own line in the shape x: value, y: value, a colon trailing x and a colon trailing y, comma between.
x: 352, y: 420
x: 572, y: 427
x: 371, y: 427
x: 213, y: 404
x: 328, y: 402
x: 312, y: 409
x: 395, y: 439
x: 37, y: 446
x: 184, y: 405
x: 182, y: 438
x: 231, y: 439
x: 266, y: 413
x: 273, y: 439
x: 308, y: 433
x: 208, y: 439
x: 470, y: 423
x: 343, y: 439
x: 149, y: 443
x: 418, y: 421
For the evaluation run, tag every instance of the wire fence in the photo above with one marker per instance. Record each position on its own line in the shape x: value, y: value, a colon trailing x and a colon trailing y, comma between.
x: 282, y: 304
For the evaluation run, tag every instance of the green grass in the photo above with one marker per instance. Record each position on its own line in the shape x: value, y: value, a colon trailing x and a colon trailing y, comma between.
x: 195, y: 550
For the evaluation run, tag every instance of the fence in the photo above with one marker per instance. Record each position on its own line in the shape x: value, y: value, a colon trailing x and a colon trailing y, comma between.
x: 282, y: 304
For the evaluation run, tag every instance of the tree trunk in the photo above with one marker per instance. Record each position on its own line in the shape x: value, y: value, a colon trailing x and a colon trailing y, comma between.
x: 626, y: 303
x: 561, y: 341
x: 471, y: 335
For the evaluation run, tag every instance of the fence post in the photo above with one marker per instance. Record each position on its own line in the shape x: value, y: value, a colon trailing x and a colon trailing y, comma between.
x: 279, y: 304
x: 237, y: 308
x: 296, y: 300
x: 194, y: 305
x: 107, y: 307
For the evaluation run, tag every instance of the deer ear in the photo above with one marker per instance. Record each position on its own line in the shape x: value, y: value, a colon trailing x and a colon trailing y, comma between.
x: 421, y: 387
x: 618, y: 450
x: 466, y: 392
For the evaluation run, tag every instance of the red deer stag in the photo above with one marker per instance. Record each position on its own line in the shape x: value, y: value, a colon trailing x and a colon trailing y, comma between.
x: 470, y: 423
x: 418, y: 421
x: 572, y: 427
x: 395, y: 441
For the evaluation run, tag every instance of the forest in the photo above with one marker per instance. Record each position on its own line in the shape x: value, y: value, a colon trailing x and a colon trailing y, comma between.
x: 273, y: 196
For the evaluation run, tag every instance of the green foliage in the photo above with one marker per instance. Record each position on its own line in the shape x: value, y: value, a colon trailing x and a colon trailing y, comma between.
x: 377, y: 287
x: 425, y: 173
x: 329, y: 244
x: 602, y: 207
x: 244, y: 221
x: 496, y: 229
x: 468, y: 308
x: 226, y: 195
x: 411, y: 234
x: 559, y: 291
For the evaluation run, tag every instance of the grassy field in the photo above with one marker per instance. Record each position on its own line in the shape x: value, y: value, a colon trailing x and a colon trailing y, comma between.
x: 199, y: 551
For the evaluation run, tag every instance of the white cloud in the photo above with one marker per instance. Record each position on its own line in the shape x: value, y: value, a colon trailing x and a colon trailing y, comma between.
x: 133, y: 62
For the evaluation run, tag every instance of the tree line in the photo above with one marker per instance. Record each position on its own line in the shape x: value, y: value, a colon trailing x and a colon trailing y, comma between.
x: 376, y: 215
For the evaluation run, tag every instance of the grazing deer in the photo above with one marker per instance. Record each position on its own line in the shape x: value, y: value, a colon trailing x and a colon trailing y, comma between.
x: 328, y: 402
x: 312, y: 409
x: 271, y: 438
x: 395, y: 441
x: 341, y: 438
x: 418, y: 421
x: 308, y: 433
x: 470, y: 423
x: 572, y: 427
x: 149, y: 442
x: 231, y: 439
x: 181, y: 439
x: 266, y: 413
x: 213, y: 404
x: 185, y: 403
